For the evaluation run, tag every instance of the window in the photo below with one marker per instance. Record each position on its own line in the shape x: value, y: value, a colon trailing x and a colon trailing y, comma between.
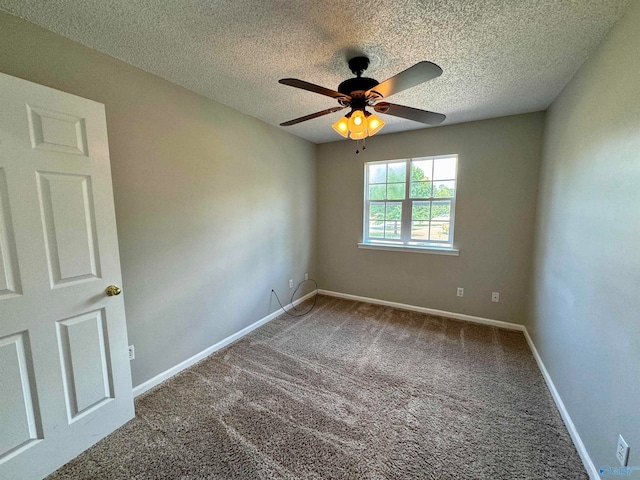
x: 410, y: 203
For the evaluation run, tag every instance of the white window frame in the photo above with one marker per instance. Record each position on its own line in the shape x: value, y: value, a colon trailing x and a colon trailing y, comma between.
x: 406, y: 243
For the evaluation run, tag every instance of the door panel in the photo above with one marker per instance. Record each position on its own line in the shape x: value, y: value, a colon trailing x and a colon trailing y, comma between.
x: 65, y: 376
x: 9, y: 273
x: 69, y: 224
x: 87, y: 373
x: 57, y: 131
x: 20, y: 420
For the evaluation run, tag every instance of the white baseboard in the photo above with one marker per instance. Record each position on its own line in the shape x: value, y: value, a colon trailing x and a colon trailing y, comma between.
x: 431, y: 311
x: 161, y: 377
x: 566, y: 418
x: 577, y: 441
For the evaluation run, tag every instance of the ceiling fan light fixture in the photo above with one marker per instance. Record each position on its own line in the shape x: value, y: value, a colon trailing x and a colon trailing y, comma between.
x: 342, y: 127
x: 361, y: 92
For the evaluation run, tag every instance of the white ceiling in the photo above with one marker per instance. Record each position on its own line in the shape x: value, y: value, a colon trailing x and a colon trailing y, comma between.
x: 500, y: 57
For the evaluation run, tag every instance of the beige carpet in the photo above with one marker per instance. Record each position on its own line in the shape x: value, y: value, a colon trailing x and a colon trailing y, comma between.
x: 353, y: 391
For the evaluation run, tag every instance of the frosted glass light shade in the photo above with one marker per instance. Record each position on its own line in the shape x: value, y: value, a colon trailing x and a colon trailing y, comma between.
x: 358, y: 123
x: 375, y: 124
x: 359, y: 135
x: 342, y: 127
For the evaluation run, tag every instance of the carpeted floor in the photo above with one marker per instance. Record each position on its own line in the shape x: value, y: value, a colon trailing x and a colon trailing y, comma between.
x: 351, y: 391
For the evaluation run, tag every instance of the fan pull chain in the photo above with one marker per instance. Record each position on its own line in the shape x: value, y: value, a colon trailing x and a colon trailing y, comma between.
x: 364, y: 147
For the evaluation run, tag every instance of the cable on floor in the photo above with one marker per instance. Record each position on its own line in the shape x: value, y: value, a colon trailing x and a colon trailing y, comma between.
x: 293, y: 307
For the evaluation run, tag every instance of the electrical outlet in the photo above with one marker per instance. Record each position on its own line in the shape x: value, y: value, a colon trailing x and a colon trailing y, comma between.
x: 291, y: 283
x: 306, y: 276
x: 460, y: 292
x: 132, y: 352
x: 622, y: 452
x: 495, y: 297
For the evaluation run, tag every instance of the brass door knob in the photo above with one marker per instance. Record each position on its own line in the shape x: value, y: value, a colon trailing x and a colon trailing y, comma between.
x: 113, y: 290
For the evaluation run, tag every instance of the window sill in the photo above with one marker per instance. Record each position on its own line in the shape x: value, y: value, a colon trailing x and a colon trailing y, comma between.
x: 401, y: 248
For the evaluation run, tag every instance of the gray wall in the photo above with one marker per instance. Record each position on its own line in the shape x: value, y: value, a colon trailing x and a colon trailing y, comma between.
x: 585, y: 314
x: 214, y: 208
x: 497, y: 177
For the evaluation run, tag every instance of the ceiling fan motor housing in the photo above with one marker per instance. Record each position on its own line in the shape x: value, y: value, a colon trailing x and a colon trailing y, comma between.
x: 356, y: 88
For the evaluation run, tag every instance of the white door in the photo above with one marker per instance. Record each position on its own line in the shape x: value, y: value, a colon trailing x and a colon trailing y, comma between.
x: 65, y: 379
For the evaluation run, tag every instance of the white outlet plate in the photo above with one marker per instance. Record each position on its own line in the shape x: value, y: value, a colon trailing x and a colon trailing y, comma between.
x: 306, y: 276
x: 460, y: 292
x: 132, y: 352
x: 291, y: 283
x: 495, y: 297
x: 622, y: 452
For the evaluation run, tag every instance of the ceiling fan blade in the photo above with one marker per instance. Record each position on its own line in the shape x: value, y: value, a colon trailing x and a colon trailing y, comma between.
x: 410, y: 113
x: 313, y: 115
x: 421, y: 72
x: 294, y: 82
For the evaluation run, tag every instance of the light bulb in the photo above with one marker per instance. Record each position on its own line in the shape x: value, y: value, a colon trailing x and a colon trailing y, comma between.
x: 357, y: 123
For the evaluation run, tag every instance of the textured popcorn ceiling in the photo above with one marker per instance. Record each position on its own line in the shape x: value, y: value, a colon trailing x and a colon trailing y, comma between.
x: 500, y: 57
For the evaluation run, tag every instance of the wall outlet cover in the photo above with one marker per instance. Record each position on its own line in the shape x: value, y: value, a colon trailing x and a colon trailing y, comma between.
x: 622, y: 452
x: 460, y: 292
x: 132, y: 352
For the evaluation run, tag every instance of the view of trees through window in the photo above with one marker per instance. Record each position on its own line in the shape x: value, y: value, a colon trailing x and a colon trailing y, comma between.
x: 411, y: 201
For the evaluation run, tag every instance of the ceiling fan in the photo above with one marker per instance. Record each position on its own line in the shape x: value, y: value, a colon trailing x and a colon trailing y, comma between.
x: 361, y: 92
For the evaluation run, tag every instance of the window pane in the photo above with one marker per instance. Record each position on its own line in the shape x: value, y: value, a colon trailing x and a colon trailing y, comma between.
x: 444, y: 168
x: 421, y: 170
x: 420, y: 215
x: 439, y: 231
x: 392, y: 229
x: 440, y: 220
x: 420, y: 189
x: 397, y: 172
x: 376, y: 229
x: 444, y: 189
x: 377, y: 192
x: 395, y: 191
x: 420, y: 230
x: 393, y: 224
x: 376, y: 211
x: 441, y: 208
x: 377, y: 173
x: 394, y: 211
x: 421, y: 211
